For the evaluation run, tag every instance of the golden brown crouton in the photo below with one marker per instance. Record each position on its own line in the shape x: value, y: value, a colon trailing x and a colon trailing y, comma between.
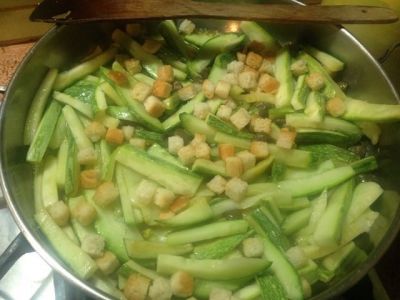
x: 151, y: 46
x: 115, y: 136
x: 136, y: 287
x: 89, y: 179
x: 165, y: 73
x: 268, y: 84
x: 254, y: 60
x: 106, y: 194
x: 226, y: 150
x: 161, y: 89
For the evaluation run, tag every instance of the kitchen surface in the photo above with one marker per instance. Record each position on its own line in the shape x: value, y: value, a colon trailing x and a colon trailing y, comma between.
x: 18, y: 35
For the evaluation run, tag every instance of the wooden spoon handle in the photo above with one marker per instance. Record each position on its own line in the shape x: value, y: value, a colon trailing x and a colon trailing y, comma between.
x: 74, y: 11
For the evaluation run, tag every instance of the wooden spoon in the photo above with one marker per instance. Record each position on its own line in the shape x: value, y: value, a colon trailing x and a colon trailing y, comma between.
x: 77, y: 11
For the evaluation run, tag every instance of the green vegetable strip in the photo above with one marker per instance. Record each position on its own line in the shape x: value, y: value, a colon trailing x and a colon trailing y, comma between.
x: 67, y: 78
x: 37, y: 186
x: 207, y: 232
x: 284, y: 75
x: 134, y: 266
x: 77, y: 130
x: 324, y: 152
x: 72, y: 169
x: 127, y: 209
x: 111, y: 93
x: 150, y: 250
x: 331, y: 64
x: 105, y: 156
x: 101, y: 102
x: 38, y: 105
x: 83, y: 108
x: 59, y: 133
x: 255, y: 33
x: 49, y: 182
x: 203, y: 288
x: 44, y: 133
x: 212, y: 269
x: 171, y: 35
x: 161, y: 153
x: 271, y: 288
x: 357, y: 110
x: 249, y: 292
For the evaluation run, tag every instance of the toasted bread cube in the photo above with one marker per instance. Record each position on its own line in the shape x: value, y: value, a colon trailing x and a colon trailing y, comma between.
x: 182, y: 284
x: 93, y: 244
x: 262, y: 125
x: 226, y: 150
x: 106, y: 194
x: 179, y: 204
x: 254, y: 60
x: 165, y: 215
x: 253, y: 247
x: 187, y: 154
x: 110, y: 122
x: 233, y: 166
x: 165, y: 73
x: 336, y: 106
x: 133, y: 66
x: 199, y: 138
x: 259, y: 149
x: 267, y: 66
x: 154, y: 106
x: 222, y: 89
x: 299, y: 67
x: 202, y: 150
x: 231, y: 104
x: 151, y: 46
x: 248, y: 159
x: 231, y: 78
x: 141, y: 91
x: 187, y: 26
x: 224, y: 112
x: 236, y: 189
x: 160, y: 289
x: 175, y: 143
x: 95, y: 131
x: 268, y: 84
x: 297, y: 257
x: 59, y: 212
x: 247, y: 80
x: 89, y: 179
x: 84, y: 212
x: 187, y: 92
x: 315, y: 81
x: 107, y: 263
x: 201, y: 110
x: 138, y: 142
x: 163, y: 198
x: 146, y: 191
x: 161, y: 89
x: 134, y: 29
x: 87, y: 156
x: 128, y: 132
x: 241, y: 57
x: 217, y: 184
x: 220, y: 294
x: 136, y: 287
x: 115, y: 136
x: 235, y: 67
x: 240, y: 118
x: 208, y: 89
x: 117, y: 77
x: 286, y: 138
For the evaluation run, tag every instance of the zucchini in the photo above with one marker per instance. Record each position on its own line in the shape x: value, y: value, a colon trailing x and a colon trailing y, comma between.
x: 159, y: 152
x: 300, y: 94
x: 293, y: 157
x: 330, y: 63
x: 62, y: 157
x: 357, y: 110
x: 218, y: 69
x: 82, y: 107
x: 325, y: 152
x: 195, y: 125
x: 120, y: 113
x: 203, y: 288
x: 296, y: 221
x: 76, y: 128
x: 239, y: 142
x: 222, y: 126
x: 292, y: 173
x: 258, y: 170
x: 315, y: 107
x: 317, y: 136
x: 200, y: 38
x: 168, y: 30
x: 151, y: 250
x: 59, y: 133
x: 72, y: 168
x: 284, y: 75
x: 49, y: 182
x: 255, y: 33
x: 133, y: 267
x: 208, y: 167
x: 271, y: 288
x: 126, y: 204
x: 150, y: 136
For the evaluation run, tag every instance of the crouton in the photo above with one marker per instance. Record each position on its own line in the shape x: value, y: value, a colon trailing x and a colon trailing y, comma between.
x: 117, y: 77
x: 315, y: 81
x: 134, y: 29
x: 254, y: 60
x: 247, y: 80
x: 95, y: 131
x: 154, y: 106
x: 160, y: 289
x: 235, y: 66
x: 161, y: 89
x: 231, y: 104
x: 89, y: 179
x: 261, y: 125
x: 286, y: 138
x: 231, y: 78
x: 201, y: 110
x: 268, y: 84
x: 146, y: 191
x: 165, y: 73
x: 179, y: 204
x: 110, y: 122
x: 267, y: 66
x: 175, y: 143
x: 151, y: 46
x: 106, y: 194
x: 133, y: 66
x: 241, y: 57
x: 297, y: 257
x: 84, y: 212
x: 226, y: 150
x: 107, y: 263
x: 217, y: 184
x: 198, y: 139
x: 220, y: 294
x: 187, y: 26
x: 233, y: 166
x: 253, y: 247
x: 59, y: 212
x: 187, y: 154
x: 136, y: 287
x: 87, y: 156
x: 128, y: 132
x: 259, y: 149
x: 182, y: 284
x: 236, y: 189
x: 187, y: 92
x: 208, y: 89
x: 299, y: 67
x: 163, y: 198
x: 202, y: 150
x: 165, y: 215
x: 240, y: 118
x: 222, y: 89
x: 224, y: 112
x: 115, y: 136
x: 138, y: 142
x: 93, y: 244
x: 141, y: 91
x: 336, y: 107
x: 248, y: 159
